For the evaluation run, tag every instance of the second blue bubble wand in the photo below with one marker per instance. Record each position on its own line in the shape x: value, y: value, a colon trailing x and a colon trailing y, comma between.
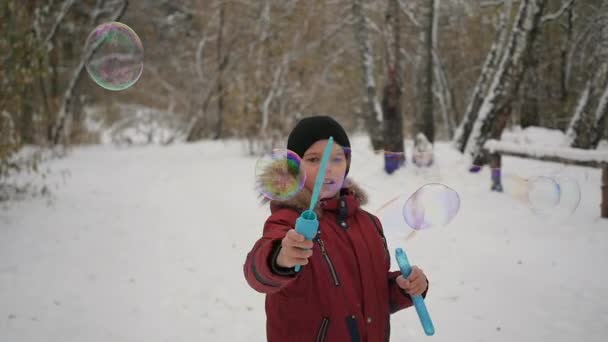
x: 308, y: 224
x: 416, y: 217
x: 423, y: 313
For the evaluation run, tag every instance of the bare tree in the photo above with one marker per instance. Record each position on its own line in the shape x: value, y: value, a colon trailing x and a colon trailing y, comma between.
x: 393, y: 89
x: 60, y: 131
x: 530, y: 89
x: 222, y: 62
x: 372, y: 111
x: 444, y: 95
x: 590, y: 50
x: 251, y: 69
x: 507, y: 78
x: 587, y: 124
x: 488, y: 70
x: 425, y: 121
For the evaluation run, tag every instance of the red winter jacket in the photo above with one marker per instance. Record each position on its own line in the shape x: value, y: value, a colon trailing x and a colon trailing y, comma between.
x: 345, y: 293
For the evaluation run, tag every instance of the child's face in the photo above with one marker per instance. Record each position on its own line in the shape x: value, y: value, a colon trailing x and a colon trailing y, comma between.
x: 336, y: 168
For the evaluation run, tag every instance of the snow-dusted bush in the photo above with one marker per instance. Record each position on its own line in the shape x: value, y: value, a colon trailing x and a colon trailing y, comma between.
x: 135, y: 125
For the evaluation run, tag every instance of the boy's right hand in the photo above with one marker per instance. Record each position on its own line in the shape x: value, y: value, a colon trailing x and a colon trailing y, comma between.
x: 295, y: 250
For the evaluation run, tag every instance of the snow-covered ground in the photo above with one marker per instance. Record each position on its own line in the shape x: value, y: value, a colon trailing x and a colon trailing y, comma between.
x: 147, y: 244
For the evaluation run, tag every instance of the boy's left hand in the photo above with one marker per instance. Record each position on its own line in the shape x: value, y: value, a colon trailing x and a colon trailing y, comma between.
x: 415, y: 284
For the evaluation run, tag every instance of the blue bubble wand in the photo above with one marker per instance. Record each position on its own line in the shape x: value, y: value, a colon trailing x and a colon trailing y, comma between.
x: 423, y: 314
x: 406, y: 270
x: 308, y: 224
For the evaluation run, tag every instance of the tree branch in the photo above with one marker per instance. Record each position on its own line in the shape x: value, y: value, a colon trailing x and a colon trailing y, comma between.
x: 64, y: 10
x: 558, y: 14
x: 489, y: 3
x: 408, y: 13
x: 60, y: 128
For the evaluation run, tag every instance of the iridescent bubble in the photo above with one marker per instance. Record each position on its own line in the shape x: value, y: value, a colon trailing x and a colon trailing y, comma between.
x: 569, y: 198
x: 115, y: 56
x: 543, y: 194
x: 279, y: 175
x: 433, y: 205
x: 515, y: 186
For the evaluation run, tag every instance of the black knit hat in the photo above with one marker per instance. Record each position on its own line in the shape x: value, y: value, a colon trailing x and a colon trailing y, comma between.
x: 312, y: 129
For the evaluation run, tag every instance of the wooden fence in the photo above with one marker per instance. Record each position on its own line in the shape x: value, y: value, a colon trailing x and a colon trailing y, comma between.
x: 564, y: 155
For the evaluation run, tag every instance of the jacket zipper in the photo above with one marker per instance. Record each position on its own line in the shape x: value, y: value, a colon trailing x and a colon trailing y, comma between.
x: 332, y: 269
x: 323, y: 330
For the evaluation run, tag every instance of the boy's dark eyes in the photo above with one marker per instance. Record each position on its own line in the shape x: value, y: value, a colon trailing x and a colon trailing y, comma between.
x: 317, y: 159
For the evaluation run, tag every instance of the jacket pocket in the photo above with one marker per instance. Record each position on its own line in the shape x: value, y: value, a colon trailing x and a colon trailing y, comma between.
x: 323, y: 330
x: 332, y: 268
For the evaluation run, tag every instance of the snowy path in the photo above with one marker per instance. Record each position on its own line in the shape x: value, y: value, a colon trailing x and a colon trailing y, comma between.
x: 147, y: 244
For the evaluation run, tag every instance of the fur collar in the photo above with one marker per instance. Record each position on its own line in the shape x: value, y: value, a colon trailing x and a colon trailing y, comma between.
x: 301, y: 201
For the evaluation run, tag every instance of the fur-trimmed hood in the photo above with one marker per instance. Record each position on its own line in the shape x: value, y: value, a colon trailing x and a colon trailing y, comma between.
x: 301, y: 201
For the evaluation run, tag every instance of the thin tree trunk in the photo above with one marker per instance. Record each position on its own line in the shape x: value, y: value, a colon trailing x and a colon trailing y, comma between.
x: 445, y: 96
x: 580, y: 120
x: 65, y: 8
x: 425, y: 122
x: 372, y: 112
x: 26, y: 117
x: 392, y: 93
x: 529, y: 115
x: 564, y: 57
x: 444, y: 91
x: 222, y: 61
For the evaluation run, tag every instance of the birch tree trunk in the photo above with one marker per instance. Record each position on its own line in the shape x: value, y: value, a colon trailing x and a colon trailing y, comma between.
x: 461, y: 136
x: 507, y: 78
x: 580, y: 120
x: 587, y: 124
x: 372, y: 112
x: 601, y: 116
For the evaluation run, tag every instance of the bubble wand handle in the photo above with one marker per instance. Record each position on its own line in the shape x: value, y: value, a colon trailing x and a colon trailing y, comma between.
x: 423, y: 314
x: 307, y: 224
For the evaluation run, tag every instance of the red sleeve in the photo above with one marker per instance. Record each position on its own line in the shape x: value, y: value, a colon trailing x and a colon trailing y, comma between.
x: 258, y: 272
